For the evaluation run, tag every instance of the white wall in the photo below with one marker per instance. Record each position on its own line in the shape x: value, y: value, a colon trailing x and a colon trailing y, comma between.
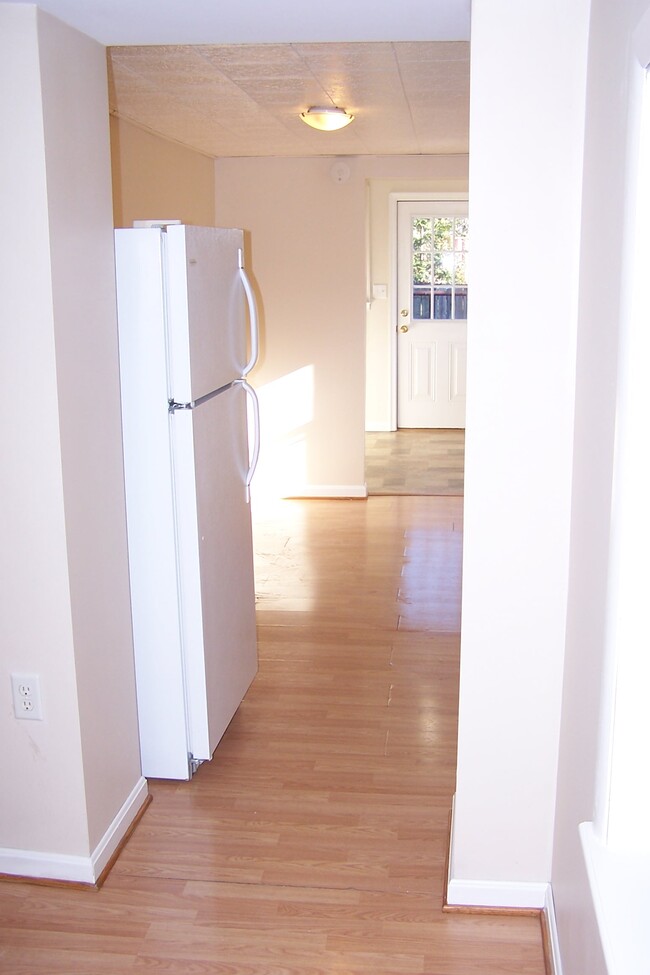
x: 65, y: 613
x: 526, y: 132
x: 608, y: 210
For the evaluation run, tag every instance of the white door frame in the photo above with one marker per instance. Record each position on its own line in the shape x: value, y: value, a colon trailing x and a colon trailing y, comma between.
x: 393, y: 200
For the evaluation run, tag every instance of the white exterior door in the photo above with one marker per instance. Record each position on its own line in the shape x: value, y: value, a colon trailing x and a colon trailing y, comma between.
x: 431, y: 313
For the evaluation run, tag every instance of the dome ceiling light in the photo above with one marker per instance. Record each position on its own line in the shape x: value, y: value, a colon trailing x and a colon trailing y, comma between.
x: 326, y: 119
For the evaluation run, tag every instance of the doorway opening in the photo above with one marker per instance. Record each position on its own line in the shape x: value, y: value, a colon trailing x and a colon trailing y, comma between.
x: 416, y: 344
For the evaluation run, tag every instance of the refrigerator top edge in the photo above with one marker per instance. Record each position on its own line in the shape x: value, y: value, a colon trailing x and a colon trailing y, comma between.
x: 166, y: 226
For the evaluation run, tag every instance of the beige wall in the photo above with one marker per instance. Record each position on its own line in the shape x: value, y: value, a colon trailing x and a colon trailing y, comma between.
x: 308, y: 240
x: 65, y: 613
x: 307, y: 253
x: 157, y: 179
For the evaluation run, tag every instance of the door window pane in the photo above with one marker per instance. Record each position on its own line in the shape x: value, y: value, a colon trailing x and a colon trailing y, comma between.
x: 421, y: 302
x: 460, y: 303
x: 443, y: 262
x: 440, y: 247
x: 462, y: 233
x: 442, y: 303
x: 444, y: 233
x: 421, y: 250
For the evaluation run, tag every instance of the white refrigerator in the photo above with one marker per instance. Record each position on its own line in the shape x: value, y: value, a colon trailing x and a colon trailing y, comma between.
x: 187, y: 338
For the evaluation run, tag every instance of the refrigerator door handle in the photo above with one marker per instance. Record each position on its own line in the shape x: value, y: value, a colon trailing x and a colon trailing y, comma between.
x: 254, y: 318
x: 173, y: 406
x: 252, y: 396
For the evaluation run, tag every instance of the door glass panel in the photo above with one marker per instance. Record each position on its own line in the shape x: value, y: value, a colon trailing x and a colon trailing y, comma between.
x: 442, y: 303
x: 444, y: 233
x: 440, y: 247
x: 422, y: 268
x: 461, y: 235
x: 421, y: 302
x: 443, y: 263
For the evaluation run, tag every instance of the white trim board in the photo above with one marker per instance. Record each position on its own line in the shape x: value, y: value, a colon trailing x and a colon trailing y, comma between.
x: 504, y: 894
x: 329, y: 491
x: 553, y: 934
x: 76, y: 869
x: 620, y: 888
x: 498, y: 894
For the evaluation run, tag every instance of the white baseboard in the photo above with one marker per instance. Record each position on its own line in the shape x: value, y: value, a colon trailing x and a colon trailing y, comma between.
x: 330, y: 491
x: 503, y: 894
x: 119, y: 827
x: 380, y: 426
x: 554, y: 938
x: 76, y: 869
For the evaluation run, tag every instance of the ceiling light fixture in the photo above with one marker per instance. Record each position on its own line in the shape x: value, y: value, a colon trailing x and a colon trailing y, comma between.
x: 326, y: 119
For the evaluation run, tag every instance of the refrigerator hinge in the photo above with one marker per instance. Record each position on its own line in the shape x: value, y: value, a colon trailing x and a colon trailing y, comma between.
x: 193, y: 763
x: 173, y: 406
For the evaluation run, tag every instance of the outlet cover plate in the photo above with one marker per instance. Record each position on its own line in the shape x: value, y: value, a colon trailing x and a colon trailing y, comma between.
x: 26, y: 693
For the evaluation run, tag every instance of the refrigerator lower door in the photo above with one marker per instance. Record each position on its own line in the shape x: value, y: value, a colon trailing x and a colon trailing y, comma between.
x: 150, y: 507
x: 215, y: 563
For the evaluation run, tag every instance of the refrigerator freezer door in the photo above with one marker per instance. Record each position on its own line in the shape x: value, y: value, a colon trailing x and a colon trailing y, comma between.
x: 215, y: 568
x: 206, y: 309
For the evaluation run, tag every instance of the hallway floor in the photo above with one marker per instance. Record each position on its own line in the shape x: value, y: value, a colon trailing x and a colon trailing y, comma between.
x: 420, y: 462
x: 315, y: 841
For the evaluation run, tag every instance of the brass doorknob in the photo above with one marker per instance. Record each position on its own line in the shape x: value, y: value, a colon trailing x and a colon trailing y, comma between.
x: 404, y: 312
x: 403, y: 328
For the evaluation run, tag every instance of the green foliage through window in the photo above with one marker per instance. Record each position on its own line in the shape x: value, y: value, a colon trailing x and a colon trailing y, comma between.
x: 439, y: 267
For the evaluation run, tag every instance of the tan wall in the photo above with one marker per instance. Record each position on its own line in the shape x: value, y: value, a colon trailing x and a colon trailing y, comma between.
x: 307, y: 250
x: 65, y: 603
x: 40, y: 761
x: 157, y: 179
x: 308, y: 239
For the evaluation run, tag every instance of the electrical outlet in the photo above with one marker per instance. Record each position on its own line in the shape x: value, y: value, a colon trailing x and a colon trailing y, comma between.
x: 26, y: 692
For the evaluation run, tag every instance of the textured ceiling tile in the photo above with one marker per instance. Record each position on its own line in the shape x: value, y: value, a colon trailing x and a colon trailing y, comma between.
x: 417, y: 52
x: 333, y: 55
x: 260, y: 61
x: 445, y: 74
x: 246, y: 99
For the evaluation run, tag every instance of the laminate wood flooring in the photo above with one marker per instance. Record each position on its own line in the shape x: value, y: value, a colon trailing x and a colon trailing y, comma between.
x: 420, y: 462
x: 315, y: 841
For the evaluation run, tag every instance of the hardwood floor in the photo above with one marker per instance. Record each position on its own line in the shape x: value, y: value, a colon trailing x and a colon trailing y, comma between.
x: 315, y: 841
